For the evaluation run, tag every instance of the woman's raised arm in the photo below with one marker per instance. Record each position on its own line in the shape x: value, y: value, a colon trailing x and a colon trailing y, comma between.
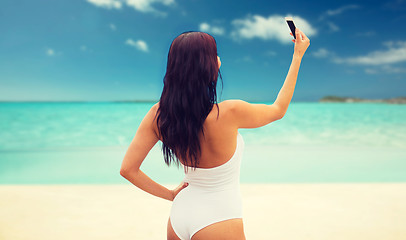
x: 248, y: 115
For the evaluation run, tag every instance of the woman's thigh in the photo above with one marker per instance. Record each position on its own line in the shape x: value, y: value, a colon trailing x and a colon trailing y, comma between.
x: 171, y: 235
x: 231, y: 229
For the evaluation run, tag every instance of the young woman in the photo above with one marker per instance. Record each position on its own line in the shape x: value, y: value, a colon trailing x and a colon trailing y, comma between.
x: 202, y: 135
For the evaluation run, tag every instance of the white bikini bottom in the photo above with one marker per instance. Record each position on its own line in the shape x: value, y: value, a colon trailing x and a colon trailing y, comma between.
x: 195, y: 208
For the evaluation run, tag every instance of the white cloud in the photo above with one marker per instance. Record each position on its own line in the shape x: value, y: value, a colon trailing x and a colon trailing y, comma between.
x: 333, y: 27
x: 385, y: 69
x: 244, y: 59
x: 377, y: 62
x: 329, y: 13
x: 112, y: 27
x: 146, y: 5
x: 273, y: 27
x: 139, y: 44
x: 322, y: 53
x: 341, y: 9
x: 395, y: 53
x: 205, y: 27
x: 390, y: 69
x: 85, y: 48
x: 270, y: 53
x: 338, y: 11
x: 50, y: 52
x: 371, y: 71
x: 109, y: 4
x: 391, y: 44
x: 139, y: 5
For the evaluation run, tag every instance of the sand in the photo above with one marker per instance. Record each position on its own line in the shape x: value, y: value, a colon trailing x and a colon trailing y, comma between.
x: 271, y: 211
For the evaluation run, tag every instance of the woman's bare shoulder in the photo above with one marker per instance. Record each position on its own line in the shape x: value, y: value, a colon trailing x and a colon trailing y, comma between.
x: 153, y: 116
x: 228, y: 108
x: 232, y: 104
x: 154, y: 108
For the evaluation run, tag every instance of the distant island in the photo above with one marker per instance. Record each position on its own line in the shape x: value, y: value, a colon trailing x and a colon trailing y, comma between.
x: 398, y: 100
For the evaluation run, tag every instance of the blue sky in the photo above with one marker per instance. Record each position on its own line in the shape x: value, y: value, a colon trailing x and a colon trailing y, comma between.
x: 103, y: 50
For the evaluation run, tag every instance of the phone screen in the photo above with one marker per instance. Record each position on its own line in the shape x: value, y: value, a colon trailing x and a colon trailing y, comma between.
x: 292, y: 27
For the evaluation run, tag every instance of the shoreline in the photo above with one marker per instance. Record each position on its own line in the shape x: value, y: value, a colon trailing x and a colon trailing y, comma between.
x: 271, y: 211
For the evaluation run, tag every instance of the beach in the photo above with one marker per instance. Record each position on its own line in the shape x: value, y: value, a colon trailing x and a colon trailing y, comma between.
x: 326, y: 171
x: 271, y: 211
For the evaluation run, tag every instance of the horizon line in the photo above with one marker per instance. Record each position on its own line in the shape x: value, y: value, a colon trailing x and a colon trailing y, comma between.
x: 109, y: 101
x: 156, y: 100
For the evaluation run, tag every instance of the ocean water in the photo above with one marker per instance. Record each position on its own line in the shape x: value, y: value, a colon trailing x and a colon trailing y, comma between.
x: 82, y: 143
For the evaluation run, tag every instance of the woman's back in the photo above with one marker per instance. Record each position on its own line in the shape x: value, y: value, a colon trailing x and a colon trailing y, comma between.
x: 220, y: 137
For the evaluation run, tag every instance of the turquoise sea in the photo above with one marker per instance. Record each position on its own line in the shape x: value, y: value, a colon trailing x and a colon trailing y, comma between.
x: 82, y: 143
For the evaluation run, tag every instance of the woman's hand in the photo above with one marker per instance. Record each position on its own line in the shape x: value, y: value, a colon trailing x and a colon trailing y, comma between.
x: 302, y: 42
x: 178, y: 189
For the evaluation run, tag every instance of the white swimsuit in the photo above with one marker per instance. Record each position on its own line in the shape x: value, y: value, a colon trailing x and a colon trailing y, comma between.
x: 213, y: 195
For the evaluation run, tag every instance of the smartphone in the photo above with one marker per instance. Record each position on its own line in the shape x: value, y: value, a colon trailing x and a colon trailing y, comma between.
x: 292, y: 26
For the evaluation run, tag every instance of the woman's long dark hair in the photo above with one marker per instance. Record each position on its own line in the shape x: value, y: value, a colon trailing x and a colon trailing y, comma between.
x: 188, y: 96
